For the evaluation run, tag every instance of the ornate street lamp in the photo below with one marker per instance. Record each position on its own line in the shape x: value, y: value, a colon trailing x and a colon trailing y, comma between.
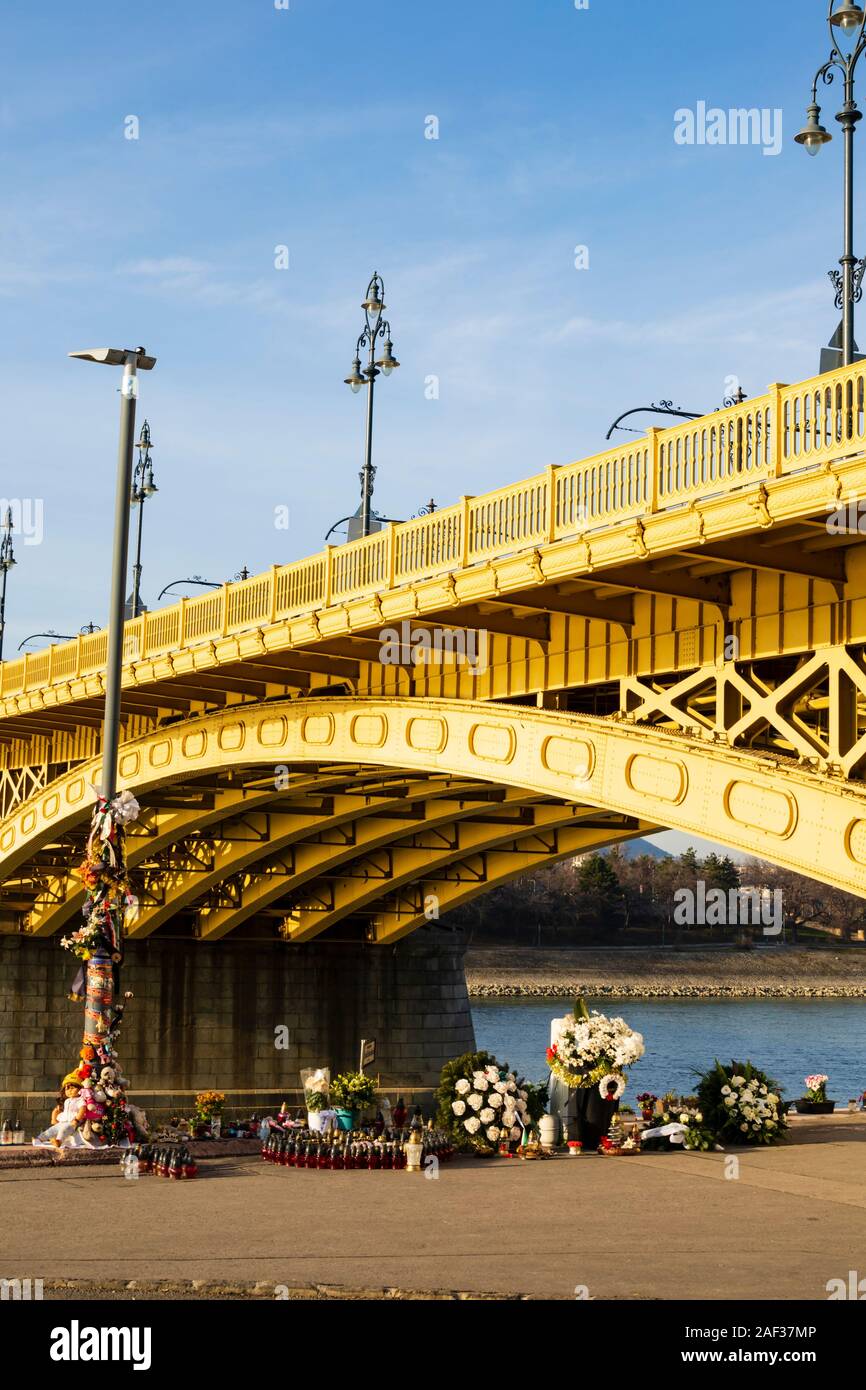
x: 846, y: 23
x: 143, y: 487
x: 7, y: 560
x: 375, y: 327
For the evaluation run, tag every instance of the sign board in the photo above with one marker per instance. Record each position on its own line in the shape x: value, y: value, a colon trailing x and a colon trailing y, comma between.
x: 831, y: 355
x: 368, y: 1052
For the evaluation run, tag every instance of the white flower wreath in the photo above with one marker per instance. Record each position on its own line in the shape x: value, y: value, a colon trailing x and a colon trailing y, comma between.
x: 612, y: 1079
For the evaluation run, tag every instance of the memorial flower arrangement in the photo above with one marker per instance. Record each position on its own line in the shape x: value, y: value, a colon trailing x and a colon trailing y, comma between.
x: 646, y: 1100
x: 590, y: 1049
x: 680, y: 1124
x: 208, y: 1104
x: 97, y: 944
x: 316, y: 1083
x: 483, y: 1104
x: 352, y: 1090
x: 817, y: 1087
x: 741, y: 1104
x: 108, y: 900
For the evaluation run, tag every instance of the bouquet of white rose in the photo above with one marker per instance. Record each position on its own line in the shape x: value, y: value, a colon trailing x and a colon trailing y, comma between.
x: 484, y: 1104
x: 742, y: 1104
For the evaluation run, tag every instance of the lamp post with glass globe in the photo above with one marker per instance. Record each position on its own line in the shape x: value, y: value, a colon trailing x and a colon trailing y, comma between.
x: 143, y: 487
x: 846, y: 22
x: 7, y: 560
x: 375, y: 327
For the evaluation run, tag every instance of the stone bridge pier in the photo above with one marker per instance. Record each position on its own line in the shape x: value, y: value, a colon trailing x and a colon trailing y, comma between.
x: 239, y: 1016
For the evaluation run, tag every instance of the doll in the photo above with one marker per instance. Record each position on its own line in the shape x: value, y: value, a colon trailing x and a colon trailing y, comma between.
x: 67, y: 1117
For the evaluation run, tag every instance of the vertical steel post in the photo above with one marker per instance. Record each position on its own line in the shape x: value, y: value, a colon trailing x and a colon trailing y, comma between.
x: 367, y: 475
x: 117, y: 610
x: 3, y: 610
x: 136, y: 569
x: 848, y: 118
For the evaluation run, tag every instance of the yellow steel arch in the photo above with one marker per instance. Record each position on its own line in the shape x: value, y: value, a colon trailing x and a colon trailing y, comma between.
x: 783, y: 810
x: 267, y: 872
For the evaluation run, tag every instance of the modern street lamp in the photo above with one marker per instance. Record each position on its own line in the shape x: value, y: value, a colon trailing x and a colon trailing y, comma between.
x: 132, y: 360
x: 98, y: 942
x: 143, y: 487
x: 846, y: 23
x: 375, y: 327
x: 7, y: 560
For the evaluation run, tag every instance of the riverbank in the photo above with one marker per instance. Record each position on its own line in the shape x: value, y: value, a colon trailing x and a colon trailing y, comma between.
x: 764, y: 973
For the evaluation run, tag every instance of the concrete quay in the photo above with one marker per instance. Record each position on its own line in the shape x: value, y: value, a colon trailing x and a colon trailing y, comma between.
x: 778, y: 1224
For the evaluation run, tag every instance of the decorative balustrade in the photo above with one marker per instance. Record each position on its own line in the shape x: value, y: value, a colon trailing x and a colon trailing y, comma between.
x: 787, y: 429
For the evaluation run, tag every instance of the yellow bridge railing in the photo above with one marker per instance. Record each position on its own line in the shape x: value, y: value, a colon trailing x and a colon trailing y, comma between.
x: 787, y: 429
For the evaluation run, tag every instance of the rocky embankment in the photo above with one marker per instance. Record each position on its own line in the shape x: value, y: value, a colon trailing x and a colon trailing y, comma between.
x: 768, y: 973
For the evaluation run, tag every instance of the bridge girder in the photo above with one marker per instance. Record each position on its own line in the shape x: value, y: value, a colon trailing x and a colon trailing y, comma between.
x: 376, y: 756
x: 407, y: 910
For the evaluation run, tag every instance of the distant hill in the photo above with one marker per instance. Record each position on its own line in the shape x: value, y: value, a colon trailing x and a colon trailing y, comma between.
x: 633, y: 849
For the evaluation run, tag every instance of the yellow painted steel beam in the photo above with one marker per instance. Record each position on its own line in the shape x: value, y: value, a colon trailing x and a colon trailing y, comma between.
x: 577, y: 603
x: 434, y: 895
x: 238, y: 848
x: 267, y: 882
x: 826, y: 565
x: 793, y: 814
x: 161, y: 826
x: 407, y: 864
x: 156, y: 830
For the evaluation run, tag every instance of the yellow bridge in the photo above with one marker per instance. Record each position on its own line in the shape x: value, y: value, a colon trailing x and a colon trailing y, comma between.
x: 668, y: 634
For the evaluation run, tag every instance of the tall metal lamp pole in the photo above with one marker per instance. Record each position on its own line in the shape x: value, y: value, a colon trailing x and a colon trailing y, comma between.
x: 374, y: 327
x: 143, y: 487
x: 132, y: 361
x: 98, y: 943
x: 846, y: 22
x: 7, y: 560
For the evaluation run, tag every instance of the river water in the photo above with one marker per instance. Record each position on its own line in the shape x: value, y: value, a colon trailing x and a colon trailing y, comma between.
x: 788, y: 1038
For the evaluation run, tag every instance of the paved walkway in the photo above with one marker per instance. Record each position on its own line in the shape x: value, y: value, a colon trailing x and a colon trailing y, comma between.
x: 656, y: 1226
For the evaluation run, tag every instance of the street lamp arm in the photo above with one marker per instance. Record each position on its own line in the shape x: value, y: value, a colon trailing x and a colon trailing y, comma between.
x: 665, y: 408
x: 55, y: 637
x: 825, y: 73
x: 206, y: 583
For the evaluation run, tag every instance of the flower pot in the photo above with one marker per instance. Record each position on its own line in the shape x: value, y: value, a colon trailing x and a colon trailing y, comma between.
x: 316, y: 1120
x: 815, y: 1107
x: 345, y: 1118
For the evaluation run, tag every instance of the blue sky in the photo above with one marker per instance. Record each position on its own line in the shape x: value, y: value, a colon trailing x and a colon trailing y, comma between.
x: 261, y: 127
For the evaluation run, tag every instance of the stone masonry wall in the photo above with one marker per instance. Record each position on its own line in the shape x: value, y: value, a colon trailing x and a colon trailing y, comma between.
x: 206, y: 1015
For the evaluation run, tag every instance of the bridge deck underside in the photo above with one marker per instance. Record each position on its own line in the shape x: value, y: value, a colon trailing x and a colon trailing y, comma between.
x: 302, y: 851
